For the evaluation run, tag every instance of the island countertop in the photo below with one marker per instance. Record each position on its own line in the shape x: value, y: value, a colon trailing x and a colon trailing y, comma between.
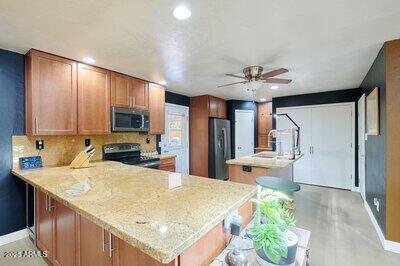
x: 135, y: 204
x: 257, y: 160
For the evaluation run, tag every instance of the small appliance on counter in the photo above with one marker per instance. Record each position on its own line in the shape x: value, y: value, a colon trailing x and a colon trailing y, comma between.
x: 129, y: 120
x: 129, y: 153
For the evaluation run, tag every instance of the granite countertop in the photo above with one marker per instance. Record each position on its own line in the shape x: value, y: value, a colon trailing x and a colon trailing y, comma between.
x: 135, y: 204
x: 253, y: 160
x: 164, y: 156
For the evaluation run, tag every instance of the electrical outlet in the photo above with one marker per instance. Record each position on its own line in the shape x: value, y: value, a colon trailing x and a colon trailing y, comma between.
x: 87, y: 142
x: 147, y: 140
x: 231, y: 217
x: 376, y: 203
x: 39, y: 144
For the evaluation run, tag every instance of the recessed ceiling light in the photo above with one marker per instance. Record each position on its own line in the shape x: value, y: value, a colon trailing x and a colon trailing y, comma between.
x: 263, y: 100
x: 162, y: 82
x: 182, y: 12
x: 274, y: 87
x: 88, y: 60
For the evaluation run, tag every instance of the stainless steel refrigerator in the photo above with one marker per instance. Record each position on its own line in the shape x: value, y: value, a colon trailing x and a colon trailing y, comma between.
x: 219, y: 147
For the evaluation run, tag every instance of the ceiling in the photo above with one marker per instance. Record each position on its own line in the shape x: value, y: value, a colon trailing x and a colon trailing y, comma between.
x: 326, y: 45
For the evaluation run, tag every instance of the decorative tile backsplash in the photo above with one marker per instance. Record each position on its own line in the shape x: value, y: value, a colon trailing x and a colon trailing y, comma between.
x: 61, y: 150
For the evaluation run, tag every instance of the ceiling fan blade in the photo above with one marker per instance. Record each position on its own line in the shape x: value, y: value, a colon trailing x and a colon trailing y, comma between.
x: 236, y: 76
x: 278, y: 81
x: 240, y: 82
x: 274, y: 73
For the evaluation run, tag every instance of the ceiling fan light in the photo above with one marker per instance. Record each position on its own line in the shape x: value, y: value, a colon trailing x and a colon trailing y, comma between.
x: 254, y: 85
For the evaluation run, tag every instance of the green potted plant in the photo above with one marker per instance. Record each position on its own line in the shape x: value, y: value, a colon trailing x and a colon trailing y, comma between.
x: 273, y: 242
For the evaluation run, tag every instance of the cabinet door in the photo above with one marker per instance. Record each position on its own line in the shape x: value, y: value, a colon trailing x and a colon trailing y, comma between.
x: 44, y: 224
x: 65, y: 244
x: 120, y: 90
x: 157, y: 109
x: 213, y: 107
x: 51, y: 95
x: 94, y: 244
x: 93, y: 100
x: 221, y: 108
x: 167, y: 164
x: 264, y: 118
x: 262, y: 140
x: 139, y: 93
x: 127, y: 255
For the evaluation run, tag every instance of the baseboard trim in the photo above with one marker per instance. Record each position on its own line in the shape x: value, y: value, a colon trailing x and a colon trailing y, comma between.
x: 14, y: 236
x: 386, y: 244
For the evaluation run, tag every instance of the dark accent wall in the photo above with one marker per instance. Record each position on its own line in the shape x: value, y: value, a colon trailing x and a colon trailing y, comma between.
x: 233, y: 105
x: 375, y: 146
x: 329, y: 97
x: 174, y: 98
x: 12, y: 189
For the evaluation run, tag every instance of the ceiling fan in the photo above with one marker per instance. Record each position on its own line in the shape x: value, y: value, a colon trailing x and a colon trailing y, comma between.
x: 254, y: 77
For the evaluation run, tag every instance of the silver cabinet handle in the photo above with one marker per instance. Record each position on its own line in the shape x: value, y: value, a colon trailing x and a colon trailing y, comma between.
x: 111, y: 249
x: 50, y: 205
x: 47, y: 204
x: 102, y: 240
x: 133, y: 101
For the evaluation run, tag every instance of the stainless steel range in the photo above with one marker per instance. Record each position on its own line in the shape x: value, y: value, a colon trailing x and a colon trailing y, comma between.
x: 129, y: 153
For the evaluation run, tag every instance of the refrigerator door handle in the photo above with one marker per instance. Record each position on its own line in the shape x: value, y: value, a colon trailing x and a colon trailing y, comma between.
x: 225, y: 142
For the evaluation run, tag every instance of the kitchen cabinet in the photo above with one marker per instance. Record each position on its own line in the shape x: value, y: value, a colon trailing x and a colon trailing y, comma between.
x: 167, y: 164
x: 65, y: 240
x: 51, y: 94
x: 95, y: 245
x: 264, y: 123
x: 217, y: 107
x: 93, y: 100
x: 157, y: 109
x: 44, y: 224
x: 264, y: 117
x: 129, y: 92
x: 201, y: 109
x: 55, y: 230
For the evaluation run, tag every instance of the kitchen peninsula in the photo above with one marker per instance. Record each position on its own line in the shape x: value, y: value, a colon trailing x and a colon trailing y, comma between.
x: 116, y: 214
x: 246, y: 169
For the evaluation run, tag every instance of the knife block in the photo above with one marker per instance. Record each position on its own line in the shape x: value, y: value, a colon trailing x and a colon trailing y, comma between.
x: 81, y: 160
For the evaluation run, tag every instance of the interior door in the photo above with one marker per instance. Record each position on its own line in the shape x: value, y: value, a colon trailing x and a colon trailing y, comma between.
x: 332, y: 146
x: 302, y: 171
x: 175, y: 140
x: 244, y: 132
x: 361, y: 145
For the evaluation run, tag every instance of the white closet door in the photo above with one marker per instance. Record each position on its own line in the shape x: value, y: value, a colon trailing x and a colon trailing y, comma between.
x: 302, y: 116
x: 331, y: 142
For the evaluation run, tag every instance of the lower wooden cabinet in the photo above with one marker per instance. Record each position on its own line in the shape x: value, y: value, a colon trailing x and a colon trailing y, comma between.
x: 95, y: 247
x: 168, y: 164
x: 65, y: 240
x: 56, y: 230
x: 44, y: 224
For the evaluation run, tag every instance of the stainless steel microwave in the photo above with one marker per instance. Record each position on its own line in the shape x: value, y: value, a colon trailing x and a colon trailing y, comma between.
x: 129, y: 120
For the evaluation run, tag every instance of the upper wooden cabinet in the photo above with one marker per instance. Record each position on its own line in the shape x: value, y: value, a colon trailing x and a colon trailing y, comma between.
x: 217, y: 107
x: 157, y: 109
x: 93, y: 100
x: 51, y: 94
x: 264, y: 117
x: 129, y: 92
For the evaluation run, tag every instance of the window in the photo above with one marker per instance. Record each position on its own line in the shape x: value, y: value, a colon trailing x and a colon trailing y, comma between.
x: 175, y: 130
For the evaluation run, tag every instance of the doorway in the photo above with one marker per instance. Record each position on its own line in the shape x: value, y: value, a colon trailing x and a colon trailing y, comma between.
x: 361, y: 145
x: 175, y: 141
x: 244, y: 132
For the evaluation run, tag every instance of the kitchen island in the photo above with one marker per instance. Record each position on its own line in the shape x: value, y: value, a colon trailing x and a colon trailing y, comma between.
x: 116, y: 214
x: 246, y: 169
